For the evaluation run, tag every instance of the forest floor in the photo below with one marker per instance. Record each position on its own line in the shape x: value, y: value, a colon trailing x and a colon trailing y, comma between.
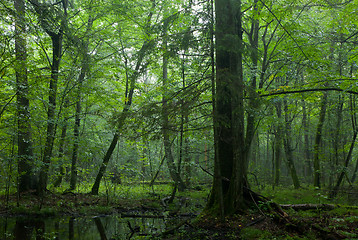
x: 337, y: 221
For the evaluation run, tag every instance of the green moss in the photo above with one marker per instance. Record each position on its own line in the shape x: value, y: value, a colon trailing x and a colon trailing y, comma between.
x: 254, y: 233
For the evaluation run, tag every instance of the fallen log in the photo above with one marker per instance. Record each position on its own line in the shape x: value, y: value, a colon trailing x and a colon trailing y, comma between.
x: 298, y: 207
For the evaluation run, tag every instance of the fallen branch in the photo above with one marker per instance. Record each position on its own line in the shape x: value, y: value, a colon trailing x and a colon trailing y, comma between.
x: 298, y: 207
x: 173, y: 229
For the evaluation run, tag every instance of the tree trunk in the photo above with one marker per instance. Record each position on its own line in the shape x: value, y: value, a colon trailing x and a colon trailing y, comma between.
x: 27, y: 180
x: 253, y: 96
x: 147, y: 45
x: 288, y: 148
x: 81, y: 78
x: 61, y: 168
x: 56, y: 35
x: 307, y: 155
x: 231, y: 157
x: 51, y: 118
x: 334, y: 192
x: 278, y: 145
x: 173, y: 170
x: 316, y: 157
x: 354, y: 176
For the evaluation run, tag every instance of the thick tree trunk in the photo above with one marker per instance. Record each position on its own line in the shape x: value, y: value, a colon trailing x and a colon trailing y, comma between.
x: 316, y: 157
x: 27, y: 180
x: 231, y: 157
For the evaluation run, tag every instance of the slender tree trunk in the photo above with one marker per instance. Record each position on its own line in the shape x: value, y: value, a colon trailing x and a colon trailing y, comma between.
x: 335, y: 190
x: 288, y: 148
x: 316, y: 157
x: 278, y: 145
x: 81, y: 78
x: 51, y: 117
x: 173, y: 170
x: 307, y: 155
x: 61, y: 149
x: 56, y: 36
x: 253, y: 96
x: 27, y: 180
x: 354, y: 176
x: 120, y: 123
x: 343, y: 173
x: 184, y: 139
x: 131, y: 80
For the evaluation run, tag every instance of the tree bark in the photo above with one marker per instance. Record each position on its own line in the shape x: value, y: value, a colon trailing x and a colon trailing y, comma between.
x: 230, y: 137
x: 27, y: 180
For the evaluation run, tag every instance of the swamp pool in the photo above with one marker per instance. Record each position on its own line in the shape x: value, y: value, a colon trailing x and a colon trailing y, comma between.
x: 78, y: 228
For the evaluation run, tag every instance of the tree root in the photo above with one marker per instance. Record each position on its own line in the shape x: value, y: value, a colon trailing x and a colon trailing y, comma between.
x: 276, y: 212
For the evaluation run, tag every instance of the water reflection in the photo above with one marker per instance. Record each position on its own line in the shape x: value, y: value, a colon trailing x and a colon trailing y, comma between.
x: 86, y: 228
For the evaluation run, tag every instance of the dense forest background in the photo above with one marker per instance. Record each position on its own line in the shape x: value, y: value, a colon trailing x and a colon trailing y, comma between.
x: 93, y: 91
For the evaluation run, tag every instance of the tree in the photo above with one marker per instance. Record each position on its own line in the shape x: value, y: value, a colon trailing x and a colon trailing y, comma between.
x: 27, y: 180
x: 53, y: 23
x: 84, y: 71
x: 231, y: 161
x: 173, y: 170
x: 131, y: 79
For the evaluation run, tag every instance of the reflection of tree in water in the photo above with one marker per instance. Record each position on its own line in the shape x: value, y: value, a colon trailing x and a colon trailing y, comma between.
x: 83, y: 228
x: 101, y: 230
x: 71, y: 231
x: 25, y: 228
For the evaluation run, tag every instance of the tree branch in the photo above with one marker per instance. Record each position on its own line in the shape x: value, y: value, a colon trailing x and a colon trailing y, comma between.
x: 308, y: 90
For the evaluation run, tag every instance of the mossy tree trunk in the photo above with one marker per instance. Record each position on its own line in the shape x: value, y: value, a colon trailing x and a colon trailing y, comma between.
x: 230, y: 153
x: 27, y: 180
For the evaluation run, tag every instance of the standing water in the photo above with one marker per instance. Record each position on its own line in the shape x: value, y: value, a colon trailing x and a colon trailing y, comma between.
x: 86, y: 228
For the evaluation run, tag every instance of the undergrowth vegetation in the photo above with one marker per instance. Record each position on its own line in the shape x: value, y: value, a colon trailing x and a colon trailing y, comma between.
x: 140, y: 198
